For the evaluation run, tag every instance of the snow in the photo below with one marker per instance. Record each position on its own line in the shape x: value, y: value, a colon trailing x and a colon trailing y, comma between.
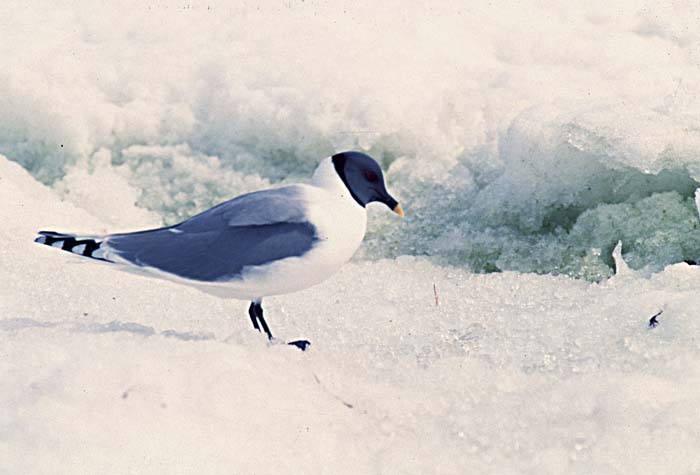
x: 537, y: 149
x: 109, y: 372
x: 513, y: 121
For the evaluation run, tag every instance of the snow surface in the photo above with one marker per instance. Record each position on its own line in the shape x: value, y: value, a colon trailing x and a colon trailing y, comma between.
x: 108, y: 372
x: 522, y: 138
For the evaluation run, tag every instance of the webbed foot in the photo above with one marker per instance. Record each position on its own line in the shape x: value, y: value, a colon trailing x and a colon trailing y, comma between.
x: 301, y: 344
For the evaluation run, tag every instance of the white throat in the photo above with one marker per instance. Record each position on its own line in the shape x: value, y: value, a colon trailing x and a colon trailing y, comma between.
x: 326, y: 177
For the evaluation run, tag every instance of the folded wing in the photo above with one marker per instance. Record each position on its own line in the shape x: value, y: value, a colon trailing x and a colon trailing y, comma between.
x: 216, y: 245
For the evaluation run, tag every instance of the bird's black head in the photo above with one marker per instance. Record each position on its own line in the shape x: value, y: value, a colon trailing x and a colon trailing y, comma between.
x: 364, y: 179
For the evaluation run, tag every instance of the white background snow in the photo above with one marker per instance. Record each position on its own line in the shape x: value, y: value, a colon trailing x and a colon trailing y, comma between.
x: 524, y: 141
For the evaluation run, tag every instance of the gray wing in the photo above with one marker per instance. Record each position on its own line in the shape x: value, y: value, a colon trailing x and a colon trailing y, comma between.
x: 250, y: 230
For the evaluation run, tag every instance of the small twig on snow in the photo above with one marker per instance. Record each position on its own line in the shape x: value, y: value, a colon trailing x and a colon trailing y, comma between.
x: 653, y: 322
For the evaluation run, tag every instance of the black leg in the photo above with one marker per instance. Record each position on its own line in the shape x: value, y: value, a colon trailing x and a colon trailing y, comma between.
x: 255, y: 311
x: 261, y: 319
x: 253, y: 316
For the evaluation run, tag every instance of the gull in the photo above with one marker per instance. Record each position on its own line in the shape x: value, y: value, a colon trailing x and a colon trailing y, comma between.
x: 259, y: 244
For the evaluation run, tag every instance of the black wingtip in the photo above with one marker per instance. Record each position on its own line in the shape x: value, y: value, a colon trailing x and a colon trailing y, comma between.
x: 49, y: 234
x: 71, y: 243
x: 50, y: 237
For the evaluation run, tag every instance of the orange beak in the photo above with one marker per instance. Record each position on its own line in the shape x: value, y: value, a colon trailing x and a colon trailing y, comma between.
x: 398, y: 210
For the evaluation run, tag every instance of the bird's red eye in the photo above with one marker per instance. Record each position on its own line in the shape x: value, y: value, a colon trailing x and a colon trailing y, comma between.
x: 371, y: 176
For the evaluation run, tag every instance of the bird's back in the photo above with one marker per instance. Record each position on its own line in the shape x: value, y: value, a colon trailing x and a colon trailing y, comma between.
x: 213, y: 246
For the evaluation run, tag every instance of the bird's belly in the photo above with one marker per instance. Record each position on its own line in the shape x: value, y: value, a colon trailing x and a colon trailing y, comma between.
x: 282, y: 277
x: 337, y: 242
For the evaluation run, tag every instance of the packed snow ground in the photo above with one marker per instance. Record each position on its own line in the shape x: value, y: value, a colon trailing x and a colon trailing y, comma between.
x: 107, y: 372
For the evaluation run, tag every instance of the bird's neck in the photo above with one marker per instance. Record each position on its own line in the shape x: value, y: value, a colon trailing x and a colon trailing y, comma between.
x: 326, y: 177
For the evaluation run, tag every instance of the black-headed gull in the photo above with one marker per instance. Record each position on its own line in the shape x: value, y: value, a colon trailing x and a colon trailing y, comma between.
x: 264, y: 243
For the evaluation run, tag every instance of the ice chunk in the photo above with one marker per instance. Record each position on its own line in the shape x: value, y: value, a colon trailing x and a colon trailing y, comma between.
x: 621, y: 267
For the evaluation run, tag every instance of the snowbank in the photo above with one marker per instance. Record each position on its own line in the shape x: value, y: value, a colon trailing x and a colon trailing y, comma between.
x: 519, y: 125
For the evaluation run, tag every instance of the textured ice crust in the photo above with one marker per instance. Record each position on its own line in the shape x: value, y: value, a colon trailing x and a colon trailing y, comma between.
x: 108, y: 372
x: 546, y: 136
x: 568, y: 191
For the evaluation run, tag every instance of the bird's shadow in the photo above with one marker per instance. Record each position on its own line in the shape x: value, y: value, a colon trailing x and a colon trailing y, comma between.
x: 115, y: 326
